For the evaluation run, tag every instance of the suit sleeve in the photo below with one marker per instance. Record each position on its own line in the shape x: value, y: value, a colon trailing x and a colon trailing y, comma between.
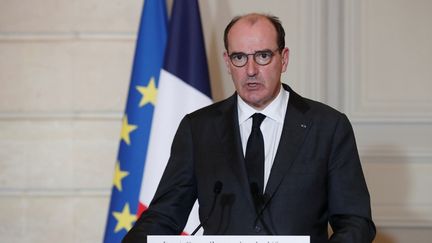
x: 169, y: 210
x: 349, y: 201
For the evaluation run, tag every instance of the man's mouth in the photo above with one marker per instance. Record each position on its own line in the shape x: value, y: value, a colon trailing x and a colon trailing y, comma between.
x: 253, y: 85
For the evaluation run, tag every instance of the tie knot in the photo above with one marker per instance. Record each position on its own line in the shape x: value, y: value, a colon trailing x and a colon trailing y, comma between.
x: 257, y: 119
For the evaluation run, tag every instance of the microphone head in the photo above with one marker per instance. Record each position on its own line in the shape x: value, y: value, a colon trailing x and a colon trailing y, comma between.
x: 217, y: 187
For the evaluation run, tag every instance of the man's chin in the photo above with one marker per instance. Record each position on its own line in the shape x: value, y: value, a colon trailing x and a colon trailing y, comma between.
x: 254, y: 101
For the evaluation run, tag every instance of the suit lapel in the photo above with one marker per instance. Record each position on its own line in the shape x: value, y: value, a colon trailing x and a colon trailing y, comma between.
x: 231, y: 141
x: 296, y: 126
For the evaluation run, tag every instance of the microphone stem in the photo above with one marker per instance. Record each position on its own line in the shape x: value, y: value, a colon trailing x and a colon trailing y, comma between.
x: 217, y: 190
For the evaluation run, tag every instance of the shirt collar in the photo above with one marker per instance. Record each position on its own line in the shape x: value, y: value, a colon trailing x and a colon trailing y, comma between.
x: 275, y: 110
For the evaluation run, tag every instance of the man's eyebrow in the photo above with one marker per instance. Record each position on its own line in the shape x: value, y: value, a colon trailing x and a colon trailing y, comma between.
x: 264, y: 50
x: 237, y: 52
x: 240, y: 52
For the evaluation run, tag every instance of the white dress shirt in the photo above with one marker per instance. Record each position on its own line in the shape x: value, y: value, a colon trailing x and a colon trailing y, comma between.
x: 271, y: 127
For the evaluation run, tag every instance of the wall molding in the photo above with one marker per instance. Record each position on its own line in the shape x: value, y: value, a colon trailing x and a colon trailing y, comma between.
x: 362, y: 118
x: 373, y: 155
x: 58, y: 192
x: 404, y: 216
x: 311, y: 39
x: 93, y: 115
x: 65, y: 36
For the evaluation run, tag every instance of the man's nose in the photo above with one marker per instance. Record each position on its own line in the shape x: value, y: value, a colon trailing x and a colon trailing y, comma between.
x: 251, y: 67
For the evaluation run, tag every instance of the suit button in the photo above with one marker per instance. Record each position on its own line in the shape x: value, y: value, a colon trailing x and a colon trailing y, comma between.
x: 257, y: 229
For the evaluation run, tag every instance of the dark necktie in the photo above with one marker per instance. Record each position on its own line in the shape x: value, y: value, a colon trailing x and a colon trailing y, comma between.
x: 255, y: 155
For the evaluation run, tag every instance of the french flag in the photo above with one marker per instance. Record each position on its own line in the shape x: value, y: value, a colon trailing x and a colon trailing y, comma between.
x: 184, y: 86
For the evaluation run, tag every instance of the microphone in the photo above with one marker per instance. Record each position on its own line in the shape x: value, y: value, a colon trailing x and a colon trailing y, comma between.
x: 217, y: 188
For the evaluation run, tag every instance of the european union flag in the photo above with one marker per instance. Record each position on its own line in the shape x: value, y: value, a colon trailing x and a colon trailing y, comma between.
x: 136, y: 122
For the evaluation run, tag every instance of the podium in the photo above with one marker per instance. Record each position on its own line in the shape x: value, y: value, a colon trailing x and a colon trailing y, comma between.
x: 227, y: 239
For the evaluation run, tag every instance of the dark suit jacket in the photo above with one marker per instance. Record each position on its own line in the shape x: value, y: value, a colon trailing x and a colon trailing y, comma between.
x: 316, y: 178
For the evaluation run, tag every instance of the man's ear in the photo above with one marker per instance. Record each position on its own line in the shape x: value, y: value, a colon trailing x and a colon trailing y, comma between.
x: 285, y: 58
x: 227, y: 61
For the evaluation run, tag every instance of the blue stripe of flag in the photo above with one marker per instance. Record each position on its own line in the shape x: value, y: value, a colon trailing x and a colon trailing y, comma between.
x: 185, y: 50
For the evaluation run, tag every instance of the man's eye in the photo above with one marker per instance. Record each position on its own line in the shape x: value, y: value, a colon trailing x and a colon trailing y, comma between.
x: 238, y: 56
x: 263, y: 55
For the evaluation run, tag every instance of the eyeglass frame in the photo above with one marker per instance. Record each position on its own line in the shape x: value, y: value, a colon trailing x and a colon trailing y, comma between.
x: 271, y: 52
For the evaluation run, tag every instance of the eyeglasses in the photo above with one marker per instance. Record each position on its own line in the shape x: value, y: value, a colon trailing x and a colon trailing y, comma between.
x: 264, y: 57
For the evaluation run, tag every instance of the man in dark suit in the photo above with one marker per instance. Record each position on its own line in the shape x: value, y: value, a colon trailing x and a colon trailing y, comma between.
x: 300, y: 171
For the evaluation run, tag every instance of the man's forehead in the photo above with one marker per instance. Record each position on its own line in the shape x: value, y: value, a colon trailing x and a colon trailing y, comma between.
x: 252, y: 20
x: 259, y: 33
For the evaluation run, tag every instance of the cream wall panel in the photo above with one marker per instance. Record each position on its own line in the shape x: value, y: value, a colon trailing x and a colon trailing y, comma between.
x: 73, y: 218
x: 56, y: 155
x: 399, y: 190
x: 64, y: 75
x: 12, y: 218
x: 69, y: 16
x: 397, y: 53
x: 90, y: 216
x: 389, y: 59
x: 48, y: 219
x: 39, y: 165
